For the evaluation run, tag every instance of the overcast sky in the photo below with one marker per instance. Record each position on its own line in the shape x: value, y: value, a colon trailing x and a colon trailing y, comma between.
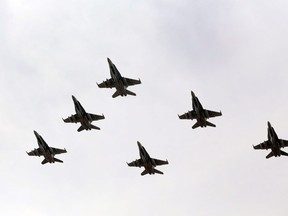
x: 232, y: 54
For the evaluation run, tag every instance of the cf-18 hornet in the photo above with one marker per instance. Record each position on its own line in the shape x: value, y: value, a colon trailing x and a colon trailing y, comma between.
x: 118, y: 82
x: 83, y: 117
x: 201, y: 115
x: 147, y: 162
x: 46, y: 151
x: 273, y: 143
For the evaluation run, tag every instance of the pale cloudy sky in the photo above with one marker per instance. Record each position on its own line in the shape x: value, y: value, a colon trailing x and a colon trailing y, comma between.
x: 232, y: 54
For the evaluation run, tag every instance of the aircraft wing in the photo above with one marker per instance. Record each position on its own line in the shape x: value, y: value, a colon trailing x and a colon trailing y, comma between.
x: 109, y: 83
x: 284, y: 143
x: 58, y: 151
x: 96, y: 117
x: 188, y: 115
x: 213, y: 113
x: 160, y: 162
x: 136, y: 163
x: 72, y: 119
x: 263, y: 145
x: 132, y: 81
x: 35, y: 152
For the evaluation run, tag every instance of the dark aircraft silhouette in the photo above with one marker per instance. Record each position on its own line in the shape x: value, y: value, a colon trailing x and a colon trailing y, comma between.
x: 46, y: 151
x: 147, y: 162
x: 199, y: 114
x: 83, y: 117
x: 118, y: 82
x: 273, y: 143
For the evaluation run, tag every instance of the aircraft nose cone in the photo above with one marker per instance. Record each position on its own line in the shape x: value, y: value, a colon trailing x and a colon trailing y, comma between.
x: 192, y: 93
x: 109, y: 61
x: 139, y: 144
x: 269, y: 125
x: 36, y: 134
x: 73, y: 98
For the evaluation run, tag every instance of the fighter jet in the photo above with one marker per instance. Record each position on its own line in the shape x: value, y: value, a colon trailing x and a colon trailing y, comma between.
x: 118, y: 82
x: 147, y: 162
x: 83, y: 117
x: 199, y: 114
x: 273, y: 143
x: 46, y: 151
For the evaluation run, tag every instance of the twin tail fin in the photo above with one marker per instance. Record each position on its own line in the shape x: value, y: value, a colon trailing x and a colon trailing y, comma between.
x: 154, y: 171
x: 117, y: 93
x: 271, y: 154
x: 81, y: 128
x: 207, y: 124
x: 55, y: 159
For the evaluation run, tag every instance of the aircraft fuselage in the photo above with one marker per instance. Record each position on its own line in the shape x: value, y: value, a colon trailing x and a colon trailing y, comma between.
x: 120, y: 82
x: 84, y: 117
x: 148, y: 162
x: 200, y: 112
x: 274, y: 140
x: 45, y: 149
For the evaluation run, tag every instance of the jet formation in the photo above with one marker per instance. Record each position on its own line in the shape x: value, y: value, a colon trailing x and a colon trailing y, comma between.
x: 273, y: 143
x: 46, y: 151
x: 147, y: 162
x: 121, y: 84
x: 118, y: 81
x: 83, y: 117
x: 199, y: 113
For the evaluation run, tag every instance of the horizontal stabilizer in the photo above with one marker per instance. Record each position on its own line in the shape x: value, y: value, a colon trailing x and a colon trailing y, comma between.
x: 196, y: 125
x: 144, y: 172
x: 130, y: 92
x: 116, y: 94
x: 271, y: 154
x: 80, y: 128
x: 95, y: 127
x: 44, y: 161
x: 210, y: 124
x: 57, y: 160
x: 283, y: 153
x: 157, y: 171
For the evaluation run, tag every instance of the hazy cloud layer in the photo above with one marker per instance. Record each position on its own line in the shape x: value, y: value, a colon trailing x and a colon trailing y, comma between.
x: 232, y: 54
